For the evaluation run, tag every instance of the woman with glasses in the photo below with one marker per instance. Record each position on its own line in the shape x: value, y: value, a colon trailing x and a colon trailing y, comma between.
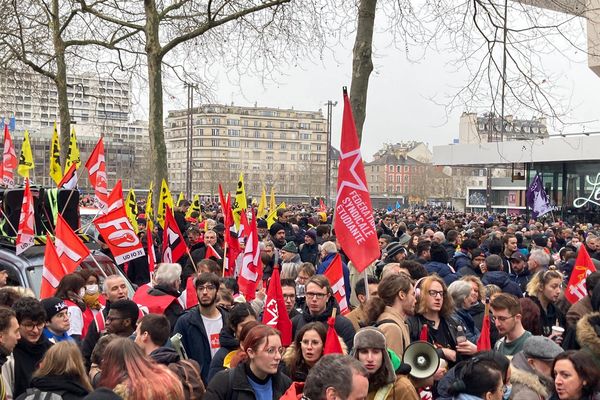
x: 306, y: 350
x: 257, y: 376
x: 544, y: 289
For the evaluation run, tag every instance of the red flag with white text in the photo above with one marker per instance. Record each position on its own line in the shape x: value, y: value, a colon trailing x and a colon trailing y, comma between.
x: 188, y: 297
x: 335, y: 274
x: 354, y: 222
x: 584, y: 266
x: 115, y: 198
x: 275, y: 314
x: 119, y: 235
x: 69, y: 179
x: 26, y: 231
x: 9, y: 160
x: 251, y: 272
x: 69, y: 247
x: 96, y: 166
x: 173, y: 246
x: 52, y: 270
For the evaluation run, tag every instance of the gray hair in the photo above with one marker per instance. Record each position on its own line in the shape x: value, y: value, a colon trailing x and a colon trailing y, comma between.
x: 332, y: 371
x: 110, y: 278
x: 167, y: 274
x: 540, y: 256
x: 329, y: 248
x: 459, y: 290
x: 439, y: 236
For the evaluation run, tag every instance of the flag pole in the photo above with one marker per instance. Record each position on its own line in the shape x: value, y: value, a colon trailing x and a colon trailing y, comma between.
x: 98, y: 265
x: 71, y: 194
x: 8, y: 220
x: 366, y: 284
x: 225, y: 258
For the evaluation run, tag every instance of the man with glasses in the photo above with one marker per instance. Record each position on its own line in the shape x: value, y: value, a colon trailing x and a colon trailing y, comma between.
x: 122, y: 318
x: 30, y: 349
x: 201, y: 326
x: 288, y: 288
x: 507, y: 316
x: 318, y: 308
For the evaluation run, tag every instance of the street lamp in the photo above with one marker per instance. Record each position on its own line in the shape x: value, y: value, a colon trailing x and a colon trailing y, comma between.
x: 189, y: 135
x: 330, y: 104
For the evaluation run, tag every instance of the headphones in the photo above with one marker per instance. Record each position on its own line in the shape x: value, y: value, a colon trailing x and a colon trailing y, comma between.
x: 417, y: 287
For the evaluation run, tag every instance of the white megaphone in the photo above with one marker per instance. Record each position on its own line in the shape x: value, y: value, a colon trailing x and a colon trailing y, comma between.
x: 422, y: 358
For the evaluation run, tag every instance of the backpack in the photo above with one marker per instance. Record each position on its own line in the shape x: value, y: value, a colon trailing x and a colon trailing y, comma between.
x: 37, y: 394
x: 188, y: 372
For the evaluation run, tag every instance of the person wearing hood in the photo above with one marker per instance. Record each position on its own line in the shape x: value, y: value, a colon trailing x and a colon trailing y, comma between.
x: 439, y: 264
x: 61, y: 372
x: 229, y: 339
x: 328, y: 253
x: 494, y: 275
x: 30, y: 348
x: 531, y: 372
x: 319, y: 305
x: 152, y: 334
x: 370, y: 349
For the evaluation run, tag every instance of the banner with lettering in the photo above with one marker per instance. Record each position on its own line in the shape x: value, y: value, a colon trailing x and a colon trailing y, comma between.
x: 354, y: 222
x: 119, y: 235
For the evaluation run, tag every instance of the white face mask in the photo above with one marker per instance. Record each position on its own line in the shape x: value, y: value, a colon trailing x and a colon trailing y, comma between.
x: 81, y: 292
x: 91, y: 289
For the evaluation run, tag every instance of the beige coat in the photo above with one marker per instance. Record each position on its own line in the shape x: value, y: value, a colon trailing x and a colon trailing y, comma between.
x: 397, y: 334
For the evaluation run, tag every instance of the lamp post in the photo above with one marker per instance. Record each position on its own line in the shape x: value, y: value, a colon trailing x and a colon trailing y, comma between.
x: 330, y: 105
x: 189, y: 136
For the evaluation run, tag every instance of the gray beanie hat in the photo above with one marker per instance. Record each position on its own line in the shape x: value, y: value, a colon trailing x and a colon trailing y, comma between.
x: 372, y: 338
x: 541, y: 348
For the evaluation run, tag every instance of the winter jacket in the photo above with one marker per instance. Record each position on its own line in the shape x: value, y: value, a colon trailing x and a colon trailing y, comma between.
x: 416, y: 322
x: 450, y: 249
x: 236, y: 387
x: 549, y: 317
x: 527, y: 383
x: 396, y: 332
x: 443, y: 270
x: 194, y: 338
x: 64, y: 386
x: 471, y: 331
x: 477, y: 311
x: 502, y: 280
x: 461, y: 260
x: 25, y: 360
x: 588, y: 335
x: 325, y: 263
x: 522, y: 278
x: 228, y: 343
x: 309, y: 253
x: 343, y: 326
x: 578, y: 310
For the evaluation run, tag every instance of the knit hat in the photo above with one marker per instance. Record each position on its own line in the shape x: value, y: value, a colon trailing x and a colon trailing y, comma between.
x: 312, y: 234
x: 541, y: 348
x: 276, y: 227
x: 261, y: 223
x: 53, y: 305
x: 372, y: 338
x: 394, y: 248
x: 290, y: 247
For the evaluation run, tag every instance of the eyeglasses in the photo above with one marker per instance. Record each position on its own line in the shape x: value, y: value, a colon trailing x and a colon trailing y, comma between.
x: 501, y: 319
x: 435, y: 293
x: 271, y: 351
x: 31, y: 325
x: 316, y: 295
x: 208, y: 288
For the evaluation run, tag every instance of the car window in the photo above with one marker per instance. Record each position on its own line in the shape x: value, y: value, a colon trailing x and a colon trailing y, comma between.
x: 35, y: 277
x: 14, y: 278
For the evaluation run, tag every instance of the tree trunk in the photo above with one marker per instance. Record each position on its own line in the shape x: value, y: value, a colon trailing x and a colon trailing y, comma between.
x: 362, y: 64
x: 158, y: 149
x: 61, y: 83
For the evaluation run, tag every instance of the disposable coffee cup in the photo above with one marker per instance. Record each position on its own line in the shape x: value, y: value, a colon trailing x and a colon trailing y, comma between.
x: 558, y: 330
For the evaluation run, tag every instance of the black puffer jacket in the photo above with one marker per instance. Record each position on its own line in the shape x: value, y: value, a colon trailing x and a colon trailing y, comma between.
x: 228, y: 343
x: 237, y: 386
x: 65, y: 386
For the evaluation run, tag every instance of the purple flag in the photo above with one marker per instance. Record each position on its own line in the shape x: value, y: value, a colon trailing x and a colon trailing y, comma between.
x: 537, y: 198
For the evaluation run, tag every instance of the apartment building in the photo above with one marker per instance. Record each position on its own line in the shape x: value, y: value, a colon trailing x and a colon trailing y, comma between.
x: 284, y: 148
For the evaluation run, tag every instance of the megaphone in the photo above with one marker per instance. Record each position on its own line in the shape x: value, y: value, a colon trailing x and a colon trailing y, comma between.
x: 423, y: 359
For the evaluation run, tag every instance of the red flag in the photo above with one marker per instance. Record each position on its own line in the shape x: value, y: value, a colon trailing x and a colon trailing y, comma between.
x: 335, y: 274
x: 275, y: 313
x: 70, y: 249
x: 117, y: 231
x: 52, y: 271
x: 173, y: 246
x: 211, y: 252
x: 424, y: 334
x: 354, y: 223
x: 233, y: 249
x: 150, y: 251
x: 244, y: 226
x: 69, y: 179
x: 9, y: 159
x: 115, y: 198
x: 26, y: 231
x: 584, y: 266
x: 332, y: 341
x: 189, y: 298
x: 484, y: 342
x: 251, y: 271
x: 96, y: 166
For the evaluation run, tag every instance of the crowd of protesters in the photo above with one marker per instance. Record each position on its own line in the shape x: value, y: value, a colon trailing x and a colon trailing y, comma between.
x: 436, y: 272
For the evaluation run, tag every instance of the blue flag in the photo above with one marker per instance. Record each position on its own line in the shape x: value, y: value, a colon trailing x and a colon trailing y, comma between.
x: 397, y: 205
x: 390, y: 209
x: 12, y: 125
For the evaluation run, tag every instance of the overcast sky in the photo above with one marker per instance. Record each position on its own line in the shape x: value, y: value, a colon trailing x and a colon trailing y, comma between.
x: 402, y: 95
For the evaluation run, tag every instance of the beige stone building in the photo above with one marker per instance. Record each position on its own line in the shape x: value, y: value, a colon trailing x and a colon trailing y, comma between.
x: 284, y: 148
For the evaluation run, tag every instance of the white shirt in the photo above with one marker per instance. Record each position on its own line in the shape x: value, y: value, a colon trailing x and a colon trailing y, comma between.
x: 213, y: 328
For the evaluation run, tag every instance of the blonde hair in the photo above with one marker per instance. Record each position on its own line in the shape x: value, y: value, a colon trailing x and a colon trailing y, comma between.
x: 475, y: 279
x: 64, y: 359
x: 424, y: 286
x: 541, y: 279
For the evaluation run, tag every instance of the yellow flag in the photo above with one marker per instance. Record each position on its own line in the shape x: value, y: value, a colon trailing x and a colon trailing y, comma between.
x: 164, y: 200
x: 240, y: 204
x: 149, y: 211
x: 131, y: 209
x: 55, y: 168
x: 272, y: 218
x: 195, y: 207
x: 272, y: 203
x: 73, y: 152
x: 26, y: 159
x: 262, y: 206
x: 180, y: 199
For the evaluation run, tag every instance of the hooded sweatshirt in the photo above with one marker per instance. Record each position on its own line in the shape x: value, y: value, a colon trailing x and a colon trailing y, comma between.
x: 27, y: 357
x: 66, y: 386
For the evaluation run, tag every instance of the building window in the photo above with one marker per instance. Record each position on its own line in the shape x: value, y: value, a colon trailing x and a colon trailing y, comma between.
x: 257, y: 145
x: 282, y: 135
x: 405, y: 178
x: 269, y: 145
x: 234, y: 143
x: 282, y: 146
x: 399, y: 168
x: 215, y: 131
x: 406, y: 168
x: 214, y: 142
